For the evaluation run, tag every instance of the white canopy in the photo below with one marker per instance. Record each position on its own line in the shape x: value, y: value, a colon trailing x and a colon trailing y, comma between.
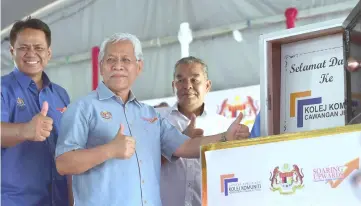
x: 78, y: 25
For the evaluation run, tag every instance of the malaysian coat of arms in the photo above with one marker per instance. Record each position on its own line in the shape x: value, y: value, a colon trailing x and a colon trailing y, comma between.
x: 286, y: 180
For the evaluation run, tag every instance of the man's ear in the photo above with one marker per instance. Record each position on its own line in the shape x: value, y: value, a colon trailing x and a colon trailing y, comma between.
x: 173, y: 86
x: 208, y: 85
x: 50, y: 53
x: 101, y: 67
x: 140, y: 66
x: 12, y: 50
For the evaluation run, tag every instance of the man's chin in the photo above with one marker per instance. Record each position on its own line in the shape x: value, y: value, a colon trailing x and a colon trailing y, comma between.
x: 117, y: 87
x: 188, y: 101
x: 31, y: 70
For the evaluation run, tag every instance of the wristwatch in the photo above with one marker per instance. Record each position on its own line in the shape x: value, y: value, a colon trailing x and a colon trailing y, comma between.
x: 223, y: 137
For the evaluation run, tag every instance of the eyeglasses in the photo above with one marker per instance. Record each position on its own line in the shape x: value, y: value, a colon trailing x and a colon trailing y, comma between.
x: 27, y: 48
x: 124, y: 60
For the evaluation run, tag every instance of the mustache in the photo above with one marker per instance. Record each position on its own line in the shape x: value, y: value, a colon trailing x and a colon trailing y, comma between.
x: 187, y: 92
x: 118, y: 74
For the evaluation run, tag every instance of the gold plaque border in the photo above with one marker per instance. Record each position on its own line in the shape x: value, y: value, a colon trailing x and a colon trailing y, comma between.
x: 265, y: 140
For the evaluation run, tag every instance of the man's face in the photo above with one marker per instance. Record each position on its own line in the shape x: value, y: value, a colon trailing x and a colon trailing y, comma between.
x: 190, y: 84
x: 31, y: 52
x: 119, y: 66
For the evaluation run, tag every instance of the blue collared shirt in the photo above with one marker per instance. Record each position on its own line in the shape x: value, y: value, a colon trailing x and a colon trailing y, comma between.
x: 28, y: 173
x: 256, y: 129
x: 95, y: 120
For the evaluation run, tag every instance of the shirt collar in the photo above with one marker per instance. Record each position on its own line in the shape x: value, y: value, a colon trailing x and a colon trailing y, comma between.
x: 204, y: 113
x: 105, y: 93
x: 25, y: 81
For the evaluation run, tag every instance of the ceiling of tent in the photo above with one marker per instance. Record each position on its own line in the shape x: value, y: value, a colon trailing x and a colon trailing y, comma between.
x: 147, y: 19
x: 78, y: 25
x: 12, y: 10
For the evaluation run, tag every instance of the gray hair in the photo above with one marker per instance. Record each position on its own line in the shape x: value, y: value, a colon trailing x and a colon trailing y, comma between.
x: 192, y: 60
x: 121, y: 37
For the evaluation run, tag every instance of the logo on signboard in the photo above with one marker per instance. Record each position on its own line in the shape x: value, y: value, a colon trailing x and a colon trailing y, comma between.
x: 230, y: 185
x: 334, y: 175
x: 305, y: 107
x: 312, y: 108
x: 286, y: 180
x: 301, y: 103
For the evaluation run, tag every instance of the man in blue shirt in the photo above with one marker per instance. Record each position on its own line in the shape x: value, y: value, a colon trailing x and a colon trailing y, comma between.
x: 31, y: 108
x: 111, y: 143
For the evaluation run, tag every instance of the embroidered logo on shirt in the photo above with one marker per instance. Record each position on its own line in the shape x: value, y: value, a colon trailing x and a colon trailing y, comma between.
x: 61, y: 110
x: 20, y: 102
x: 150, y: 120
x: 106, y: 115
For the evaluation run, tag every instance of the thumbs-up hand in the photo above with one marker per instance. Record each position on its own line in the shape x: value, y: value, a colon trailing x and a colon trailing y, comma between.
x: 191, y: 131
x: 122, y: 147
x: 40, y: 126
x: 44, y: 109
x: 237, y: 131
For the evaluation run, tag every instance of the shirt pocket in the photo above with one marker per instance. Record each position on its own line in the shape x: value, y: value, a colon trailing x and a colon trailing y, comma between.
x: 21, y: 113
x: 147, y: 132
x: 147, y: 137
x: 101, y: 132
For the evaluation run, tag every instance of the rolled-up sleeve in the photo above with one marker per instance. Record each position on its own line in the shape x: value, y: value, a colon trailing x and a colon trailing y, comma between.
x: 74, y: 129
x: 171, y: 139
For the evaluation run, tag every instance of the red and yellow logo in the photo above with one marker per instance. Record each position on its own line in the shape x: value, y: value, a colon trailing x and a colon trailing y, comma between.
x: 106, y: 115
x: 335, y: 175
x: 286, y: 180
x: 61, y: 110
x: 150, y: 120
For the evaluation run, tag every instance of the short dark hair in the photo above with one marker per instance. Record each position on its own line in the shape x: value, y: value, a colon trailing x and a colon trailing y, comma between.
x: 192, y: 60
x: 29, y: 23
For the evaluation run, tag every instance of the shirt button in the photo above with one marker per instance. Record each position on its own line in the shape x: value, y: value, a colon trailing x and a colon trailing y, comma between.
x: 145, y: 201
x: 189, y: 184
x: 142, y: 181
x: 140, y: 161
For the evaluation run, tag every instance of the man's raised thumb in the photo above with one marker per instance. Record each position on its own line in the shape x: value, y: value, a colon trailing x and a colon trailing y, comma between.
x: 239, y: 118
x: 121, y: 129
x: 192, y: 124
x: 44, y: 109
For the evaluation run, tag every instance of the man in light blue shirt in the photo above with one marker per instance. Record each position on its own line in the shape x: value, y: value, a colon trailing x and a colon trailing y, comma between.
x: 111, y: 143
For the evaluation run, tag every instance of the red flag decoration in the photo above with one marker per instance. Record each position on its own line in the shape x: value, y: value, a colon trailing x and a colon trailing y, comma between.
x: 291, y: 15
x: 95, y: 67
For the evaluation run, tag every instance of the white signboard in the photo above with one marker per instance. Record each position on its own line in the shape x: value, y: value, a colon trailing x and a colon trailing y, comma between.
x: 312, y: 84
x: 312, y: 168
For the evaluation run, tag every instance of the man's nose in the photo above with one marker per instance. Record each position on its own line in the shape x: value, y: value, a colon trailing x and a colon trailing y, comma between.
x: 187, y: 84
x: 118, y: 66
x: 30, y: 52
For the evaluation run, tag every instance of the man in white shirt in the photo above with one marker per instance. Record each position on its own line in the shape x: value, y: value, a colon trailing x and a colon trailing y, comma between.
x: 181, y: 180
